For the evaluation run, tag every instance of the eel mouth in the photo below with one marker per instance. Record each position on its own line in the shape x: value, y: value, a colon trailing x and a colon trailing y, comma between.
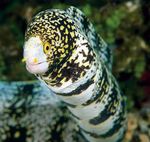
x: 37, y: 68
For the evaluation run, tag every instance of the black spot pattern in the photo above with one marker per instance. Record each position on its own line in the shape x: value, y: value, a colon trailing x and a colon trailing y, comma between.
x: 79, y: 60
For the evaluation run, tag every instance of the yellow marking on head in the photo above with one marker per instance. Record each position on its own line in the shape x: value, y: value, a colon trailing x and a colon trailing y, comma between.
x: 24, y: 60
x: 72, y: 34
x: 66, y: 40
x: 86, y: 64
x: 63, y: 50
x: 66, y: 46
x: 63, y: 55
x: 61, y: 27
x: 69, y: 20
x: 73, y: 27
x: 56, y: 38
x: 67, y: 51
x: 66, y: 31
x: 53, y: 41
x: 59, y: 74
x: 68, y: 26
x: 35, y: 60
x: 82, y: 74
x: 63, y: 80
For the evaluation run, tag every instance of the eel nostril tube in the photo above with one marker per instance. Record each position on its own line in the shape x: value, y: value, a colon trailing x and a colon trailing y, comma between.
x: 35, y: 60
x: 24, y: 60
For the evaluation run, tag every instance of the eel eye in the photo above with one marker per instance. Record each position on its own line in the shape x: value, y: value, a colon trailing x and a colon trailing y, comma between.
x: 46, y: 47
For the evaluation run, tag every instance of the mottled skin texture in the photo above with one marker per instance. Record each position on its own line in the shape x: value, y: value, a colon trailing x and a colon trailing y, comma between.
x: 79, y: 72
x: 61, y: 35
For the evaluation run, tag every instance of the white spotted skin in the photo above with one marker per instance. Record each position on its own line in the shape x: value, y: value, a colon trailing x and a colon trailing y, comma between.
x: 69, y: 86
x: 96, y: 106
x: 88, y: 112
x: 90, y: 33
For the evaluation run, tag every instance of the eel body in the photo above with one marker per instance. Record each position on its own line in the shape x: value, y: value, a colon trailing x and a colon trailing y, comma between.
x: 63, y: 50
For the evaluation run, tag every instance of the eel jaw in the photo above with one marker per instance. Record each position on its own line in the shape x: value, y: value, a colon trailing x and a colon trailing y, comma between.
x: 38, y: 68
